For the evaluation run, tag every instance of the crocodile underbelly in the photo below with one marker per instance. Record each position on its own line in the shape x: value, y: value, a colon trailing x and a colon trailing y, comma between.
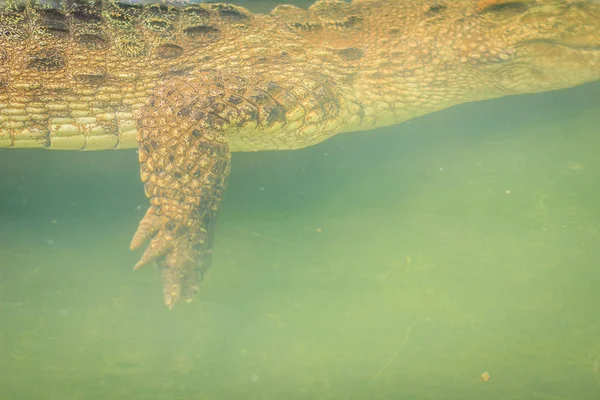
x: 85, y: 133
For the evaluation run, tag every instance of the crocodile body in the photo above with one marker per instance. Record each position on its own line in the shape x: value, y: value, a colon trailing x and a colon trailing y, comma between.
x: 190, y: 83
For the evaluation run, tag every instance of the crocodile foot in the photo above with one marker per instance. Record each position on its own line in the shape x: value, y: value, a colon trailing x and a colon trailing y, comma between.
x: 184, y: 165
x: 182, y: 248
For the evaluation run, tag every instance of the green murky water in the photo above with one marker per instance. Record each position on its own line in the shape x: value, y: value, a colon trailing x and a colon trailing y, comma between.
x: 395, y: 264
x: 399, y: 263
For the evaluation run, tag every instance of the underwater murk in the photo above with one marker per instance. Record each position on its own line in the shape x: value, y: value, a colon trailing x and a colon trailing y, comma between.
x: 452, y: 256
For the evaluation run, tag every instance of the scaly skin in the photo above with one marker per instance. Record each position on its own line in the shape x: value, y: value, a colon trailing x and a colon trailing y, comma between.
x: 188, y: 84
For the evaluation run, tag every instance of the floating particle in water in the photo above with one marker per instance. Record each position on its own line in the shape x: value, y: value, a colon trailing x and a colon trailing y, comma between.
x: 485, y: 376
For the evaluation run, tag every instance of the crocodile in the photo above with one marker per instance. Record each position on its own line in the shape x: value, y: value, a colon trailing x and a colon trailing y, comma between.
x: 188, y: 84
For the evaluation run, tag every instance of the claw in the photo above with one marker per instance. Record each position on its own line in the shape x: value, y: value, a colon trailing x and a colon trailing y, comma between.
x: 174, y: 246
x: 191, y: 286
x: 172, y: 286
x: 146, y: 229
x: 180, y: 277
x: 158, y: 247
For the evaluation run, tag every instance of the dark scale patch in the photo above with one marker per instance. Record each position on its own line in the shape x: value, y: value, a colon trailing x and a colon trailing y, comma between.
x: 235, y: 100
x: 52, y: 14
x: 199, y: 115
x: 3, y: 56
x: 216, y: 108
x: 221, y: 165
x: 159, y: 25
x: 160, y: 17
x: 258, y: 96
x: 351, y: 54
x: 168, y: 51
x: 54, y: 22
x: 92, y: 79
x: 273, y: 112
x: 349, y: 23
x: 91, y: 42
x: 46, y: 61
x: 272, y: 88
x: 435, y: 9
x: 507, y: 6
x: 177, y: 70
x: 87, y: 15
x: 184, y: 112
x: 124, y: 14
x: 230, y: 13
x: 202, y: 33
x: 196, y: 11
x: 59, y: 90
x: 249, y: 112
x: 215, y: 121
x: 57, y: 32
x: 307, y: 26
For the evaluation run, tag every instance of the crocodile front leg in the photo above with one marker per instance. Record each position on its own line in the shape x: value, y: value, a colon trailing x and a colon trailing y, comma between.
x: 185, y: 160
x: 185, y: 157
